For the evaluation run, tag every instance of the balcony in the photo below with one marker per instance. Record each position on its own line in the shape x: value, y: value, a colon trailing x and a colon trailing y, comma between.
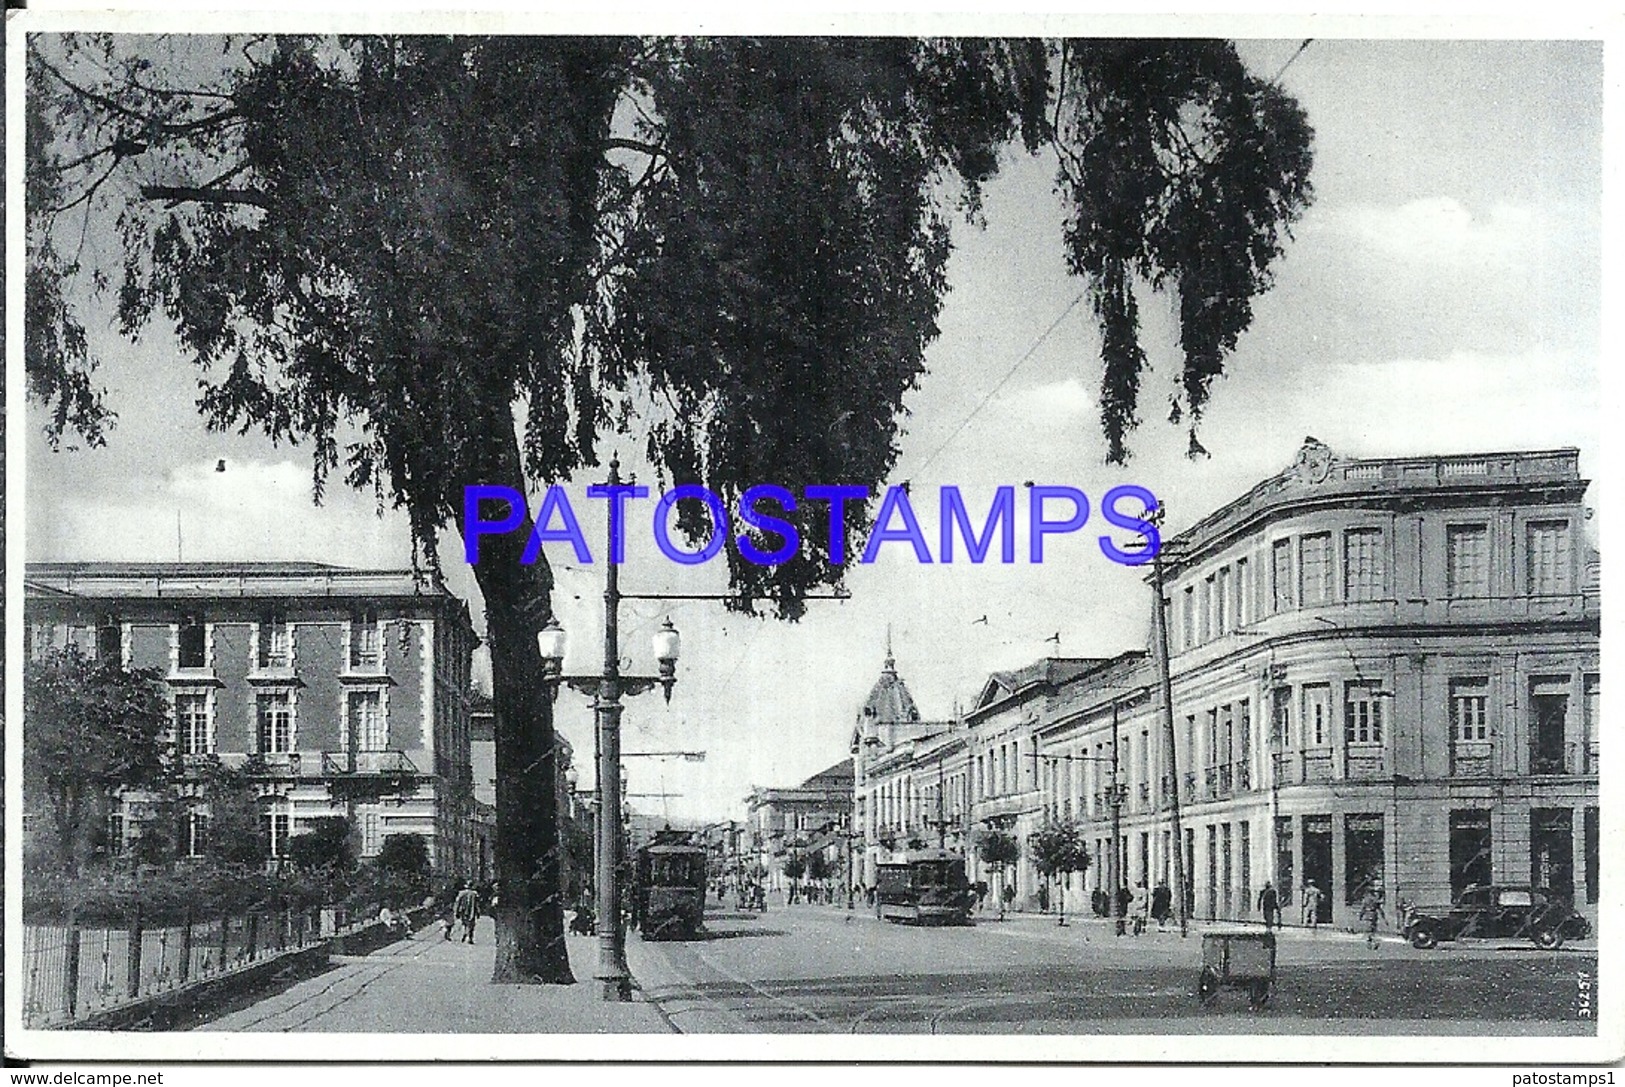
x: 1145, y: 794
x: 1210, y: 783
x: 1190, y: 786
x: 1592, y: 756
x: 1244, y: 777
x: 368, y: 764
x: 1226, y: 782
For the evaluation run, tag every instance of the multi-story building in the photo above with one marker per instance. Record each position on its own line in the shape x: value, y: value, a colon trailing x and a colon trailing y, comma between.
x: 1387, y: 671
x: 1384, y: 672
x: 342, y: 692
x: 794, y: 820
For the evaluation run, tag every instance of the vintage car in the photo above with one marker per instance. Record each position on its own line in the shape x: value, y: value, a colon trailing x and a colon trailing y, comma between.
x: 1499, y: 913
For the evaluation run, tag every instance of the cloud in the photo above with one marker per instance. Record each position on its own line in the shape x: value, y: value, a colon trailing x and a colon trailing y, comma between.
x: 1438, y: 230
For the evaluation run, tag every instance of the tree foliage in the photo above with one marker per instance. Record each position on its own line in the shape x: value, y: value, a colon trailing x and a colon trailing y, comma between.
x: 90, y: 728
x: 1183, y: 170
x: 324, y: 846
x: 1058, y: 848
x: 443, y: 261
x: 795, y: 867
x: 998, y: 849
x: 407, y: 854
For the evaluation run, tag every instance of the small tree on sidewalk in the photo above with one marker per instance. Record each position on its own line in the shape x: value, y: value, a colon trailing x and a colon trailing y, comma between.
x: 795, y: 866
x: 1058, y: 851
x: 998, y: 850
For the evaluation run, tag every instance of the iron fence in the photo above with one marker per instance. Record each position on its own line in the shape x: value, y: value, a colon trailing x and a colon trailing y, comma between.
x: 73, y: 971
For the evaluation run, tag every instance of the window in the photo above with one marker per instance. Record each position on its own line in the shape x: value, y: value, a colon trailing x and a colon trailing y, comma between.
x: 1467, y: 561
x: 192, y: 649
x: 275, y: 716
x: 1244, y: 744
x: 1362, y: 714
x: 115, y: 833
x: 1188, y: 618
x: 1363, y: 564
x: 275, y: 829
x: 1317, y: 707
x: 1223, y: 613
x: 367, y: 721
x: 1281, y: 720
x: 1281, y: 575
x: 1471, y: 850
x: 1548, y: 558
x: 1315, y: 569
x: 196, y: 838
x: 1244, y: 593
x: 1204, y: 610
x: 1593, y: 710
x: 1549, y: 700
x: 273, y: 640
x: 192, y: 724
x: 110, y: 640
x: 1469, y: 704
x: 1212, y: 738
x: 364, y: 642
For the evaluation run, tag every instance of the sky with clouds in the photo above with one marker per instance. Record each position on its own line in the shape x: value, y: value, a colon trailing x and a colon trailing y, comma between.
x: 1442, y: 295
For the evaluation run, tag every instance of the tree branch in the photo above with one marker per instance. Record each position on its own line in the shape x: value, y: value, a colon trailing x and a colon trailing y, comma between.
x: 200, y: 194
x: 622, y: 143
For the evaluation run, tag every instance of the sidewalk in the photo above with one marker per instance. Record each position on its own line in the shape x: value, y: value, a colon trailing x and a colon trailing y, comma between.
x: 1090, y: 923
x: 431, y: 985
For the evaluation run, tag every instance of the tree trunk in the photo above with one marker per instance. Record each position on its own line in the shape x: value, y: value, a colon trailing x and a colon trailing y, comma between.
x: 530, y: 910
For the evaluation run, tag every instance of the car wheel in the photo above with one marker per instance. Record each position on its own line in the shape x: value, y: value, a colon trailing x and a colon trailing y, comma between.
x: 1423, y: 937
x: 1549, y: 939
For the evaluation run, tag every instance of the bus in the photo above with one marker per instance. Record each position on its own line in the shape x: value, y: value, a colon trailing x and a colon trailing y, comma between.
x: 670, y: 900
x: 928, y: 886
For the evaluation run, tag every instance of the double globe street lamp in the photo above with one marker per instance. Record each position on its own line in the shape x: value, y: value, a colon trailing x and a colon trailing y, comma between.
x: 608, y: 688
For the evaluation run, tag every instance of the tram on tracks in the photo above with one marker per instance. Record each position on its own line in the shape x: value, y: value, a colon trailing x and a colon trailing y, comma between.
x: 927, y: 886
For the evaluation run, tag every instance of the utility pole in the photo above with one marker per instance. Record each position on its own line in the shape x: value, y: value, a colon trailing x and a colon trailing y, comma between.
x: 1116, y: 798
x: 1159, y: 616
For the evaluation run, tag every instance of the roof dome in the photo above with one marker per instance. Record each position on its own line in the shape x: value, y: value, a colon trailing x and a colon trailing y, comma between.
x: 889, y: 700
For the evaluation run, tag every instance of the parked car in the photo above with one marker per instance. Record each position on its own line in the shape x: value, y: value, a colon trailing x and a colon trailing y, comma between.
x: 1499, y: 913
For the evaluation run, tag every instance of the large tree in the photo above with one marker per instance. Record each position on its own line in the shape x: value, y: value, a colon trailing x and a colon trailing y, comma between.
x: 90, y: 728
x: 446, y: 261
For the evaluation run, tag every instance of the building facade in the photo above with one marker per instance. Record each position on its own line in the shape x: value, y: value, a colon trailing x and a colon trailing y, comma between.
x: 341, y: 692
x: 1384, y: 673
x: 807, y: 817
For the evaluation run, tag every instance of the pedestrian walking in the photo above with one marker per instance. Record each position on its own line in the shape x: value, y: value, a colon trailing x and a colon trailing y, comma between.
x: 1269, y: 904
x: 1140, y: 907
x: 1162, y: 900
x: 1311, y: 904
x: 466, y: 909
x: 1371, y: 913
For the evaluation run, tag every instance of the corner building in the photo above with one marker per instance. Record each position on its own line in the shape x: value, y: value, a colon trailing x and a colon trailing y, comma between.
x: 1383, y: 670
x: 342, y: 692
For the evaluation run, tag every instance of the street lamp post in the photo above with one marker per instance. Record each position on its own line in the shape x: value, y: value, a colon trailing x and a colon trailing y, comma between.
x: 610, y: 686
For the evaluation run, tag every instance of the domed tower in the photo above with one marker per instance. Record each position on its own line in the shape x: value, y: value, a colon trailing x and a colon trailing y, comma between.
x: 887, y: 714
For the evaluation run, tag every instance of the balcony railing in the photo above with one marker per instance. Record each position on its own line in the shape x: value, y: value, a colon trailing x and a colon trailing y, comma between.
x: 1225, y: 780
x: 1592, y: 757
x: 1145, y: 793
x: 1244, y: 777
x: 1190, y: 786
x: 1210, y: 782
x: 368, y: 764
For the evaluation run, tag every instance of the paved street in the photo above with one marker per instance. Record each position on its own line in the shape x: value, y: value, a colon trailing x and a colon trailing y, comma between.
x: 821, y: 969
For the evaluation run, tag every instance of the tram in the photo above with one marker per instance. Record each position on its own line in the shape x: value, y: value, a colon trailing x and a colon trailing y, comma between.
x: 924, y: 887
x: 670, y: 900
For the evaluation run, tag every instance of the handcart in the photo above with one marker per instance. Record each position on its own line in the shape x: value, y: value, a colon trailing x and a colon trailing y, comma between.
x: 1237, y: 960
